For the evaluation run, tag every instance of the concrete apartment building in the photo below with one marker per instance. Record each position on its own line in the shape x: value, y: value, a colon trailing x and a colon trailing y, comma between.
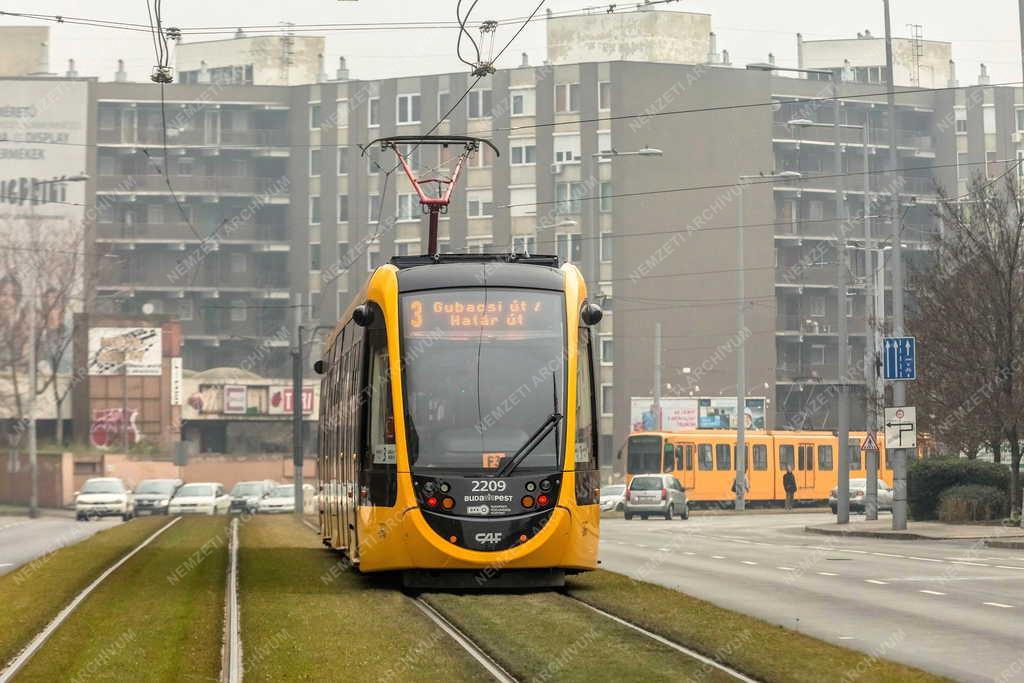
x: 272, y: 179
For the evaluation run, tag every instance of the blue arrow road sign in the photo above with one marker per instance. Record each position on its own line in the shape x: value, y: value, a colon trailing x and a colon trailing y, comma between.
x: 900, y: 358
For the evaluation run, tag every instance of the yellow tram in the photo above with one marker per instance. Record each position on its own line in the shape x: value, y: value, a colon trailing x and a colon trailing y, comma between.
x: 458, y: 438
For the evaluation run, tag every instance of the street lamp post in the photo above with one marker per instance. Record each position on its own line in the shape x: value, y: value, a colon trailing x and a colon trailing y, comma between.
x: 741, y: 324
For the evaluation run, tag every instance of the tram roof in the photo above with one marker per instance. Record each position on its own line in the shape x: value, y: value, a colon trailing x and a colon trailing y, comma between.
x: 475, y: 270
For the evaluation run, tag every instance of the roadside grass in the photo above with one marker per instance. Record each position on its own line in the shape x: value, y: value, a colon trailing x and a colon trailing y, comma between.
x: 547, y: 637
x: 305, y: 616
x: 761, y: 650
x: 724, y: 511
x: 31, y: 595
x: 159, y: 617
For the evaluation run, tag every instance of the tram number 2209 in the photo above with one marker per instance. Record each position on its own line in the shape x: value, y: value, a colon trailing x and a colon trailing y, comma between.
x: 489, y: 485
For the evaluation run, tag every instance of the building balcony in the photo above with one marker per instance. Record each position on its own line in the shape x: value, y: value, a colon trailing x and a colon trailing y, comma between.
x: 153, y: 183
x: 218, y: 324
x: 806, y: 274
x: 277, y: 137
x: 176, y: 233
x: 201, y: 278
x: 803, y: 325
x: 910, y: 140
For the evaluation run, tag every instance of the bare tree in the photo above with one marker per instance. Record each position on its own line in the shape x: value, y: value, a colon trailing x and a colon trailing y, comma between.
x: 970, y: 322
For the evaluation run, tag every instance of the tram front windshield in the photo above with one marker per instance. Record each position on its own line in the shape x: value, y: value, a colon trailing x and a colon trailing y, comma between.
x: 644, y: 455
x: 483, y: 370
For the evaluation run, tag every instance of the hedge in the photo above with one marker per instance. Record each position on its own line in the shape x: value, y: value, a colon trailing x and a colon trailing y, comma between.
x: 972, y: 503
x: 928, y: 478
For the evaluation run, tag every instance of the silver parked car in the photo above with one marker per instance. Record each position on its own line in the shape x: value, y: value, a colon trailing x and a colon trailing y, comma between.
x: 656, y: 494
x: 613, y: 497
x: 858, y: 492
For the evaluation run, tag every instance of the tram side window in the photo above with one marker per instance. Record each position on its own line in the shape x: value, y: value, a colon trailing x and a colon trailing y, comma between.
x: 853, y: 454
x: 380, y: 455
x: 760, y: 457
x: 704, y: 457
x: 723, y: 457
x: 586, y: 434
x: 786, y: 457
x: 689, y: 457
x: 668, y: 458
x: 825, y: 458
x: 680, y: 465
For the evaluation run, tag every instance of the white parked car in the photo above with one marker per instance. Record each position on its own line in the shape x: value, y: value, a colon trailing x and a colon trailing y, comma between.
x: 206, y: 498
x: 281, y: 499
x: 103, y: 497
x: 613, y: 497
x: 858, y: 496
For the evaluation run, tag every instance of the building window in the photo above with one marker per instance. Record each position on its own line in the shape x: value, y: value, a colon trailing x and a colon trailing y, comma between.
x: 478, y: 245
x: 342, y: 160
x: 341, y: 114
x: 849, y: 306
x: 407, y: 248
x: 817, y: 356
x: 1020, y: 120
x: 605, y: 190
x: 567, y: 148
x: 818, y: 306
x: 522, y: 152
x: 314, y: 163
x: 483, y: 158
x: 988, y: 119
x: 374, y: 260
x: 567, y: 97
x: 524, y: 244
x: 237, y: 262
x: 604, y: 144
x: 607, y: 349
x: 373, y: 112
x: 186, y: 310
x: 408, y: 109
x: 314, y: 305
x: 342, y: 208
x: 568, y: 197
x: 407, y: 205
x: 607, y: 399
x: 604, y: 296
x: 479, y: 203
x: 443, y: 105
x: 374, y: 206
x: 815, y: 210
x: 314, y: 210
x: 963, y: 165
x: 569, y: 247
x: 607, y: 247
x: 107, y: 119
x: 523, y: 102
x: 343, y: 254
x: 238, y: 310
x: 522, y: 201
x: 960, y: 116
x: 604, y: 95
x: 314, y: 257
x: 373, y: 161
x: 479, y: 104
x: 314, y: 116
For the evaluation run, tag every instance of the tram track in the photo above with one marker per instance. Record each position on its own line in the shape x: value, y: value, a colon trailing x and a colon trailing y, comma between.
x: 232, y: 656
x: 464, y: 641
x: 22, y: 658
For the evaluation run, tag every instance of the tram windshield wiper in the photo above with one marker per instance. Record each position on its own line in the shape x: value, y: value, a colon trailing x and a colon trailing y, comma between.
x: 531, y: 445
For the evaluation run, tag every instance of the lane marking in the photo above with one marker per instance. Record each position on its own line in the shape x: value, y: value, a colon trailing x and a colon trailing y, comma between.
x: 888, y: 555
x: 971, y: 564
x: 923, y: 559
x: 640, y: 545
x: 748, y: 562
x: 827, y: 574
x: 928, y: 592
x: 687, y: 552
x: 847, y: 637
x: 850, y: 550
x: 718, y: 557
x: 998, y: 604
x: 876, y: 581
x: 664, y: 550
x: 1006, y: 566
x: 787, y: 569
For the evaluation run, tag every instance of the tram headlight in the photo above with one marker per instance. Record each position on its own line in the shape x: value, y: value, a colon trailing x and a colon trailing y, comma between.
x: 530, y: 486
x: 545, y: 485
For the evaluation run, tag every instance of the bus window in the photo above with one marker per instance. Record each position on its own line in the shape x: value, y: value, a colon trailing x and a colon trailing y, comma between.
x: 853, y: 453
x: 760, y: 457
x: 825, y: 458
x: 786, y: 457
x: 643, y: 455
x: 704, y: 457
x: 723, y: 457
x: 668, y: 458
x: 689, y: 457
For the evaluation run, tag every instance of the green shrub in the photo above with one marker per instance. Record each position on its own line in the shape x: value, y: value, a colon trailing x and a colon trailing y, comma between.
x: 972, y: 503
x: 928, y: 478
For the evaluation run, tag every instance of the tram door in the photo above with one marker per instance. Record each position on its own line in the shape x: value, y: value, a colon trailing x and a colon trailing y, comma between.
x: 684, y: 455
x: 805, y: 466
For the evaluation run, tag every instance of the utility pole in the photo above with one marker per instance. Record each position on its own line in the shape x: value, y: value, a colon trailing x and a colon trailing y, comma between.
x: 871, y: 492
x: 741, y: 363
x: 843, y: 342
x: 33, y: 453
x: 899, y: 393
x: 297, y: 454
x: 657, y: 376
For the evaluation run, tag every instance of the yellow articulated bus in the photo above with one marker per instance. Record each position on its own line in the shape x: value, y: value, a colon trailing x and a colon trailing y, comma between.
x: 458, y: 437
x: 704, y: 462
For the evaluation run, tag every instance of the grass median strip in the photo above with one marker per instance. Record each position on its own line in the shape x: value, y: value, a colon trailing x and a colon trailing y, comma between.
x: 34, y: 593
x: 306, y: 616
x: 761, y: 650
x: 157, y: 618
x: 547, y: 637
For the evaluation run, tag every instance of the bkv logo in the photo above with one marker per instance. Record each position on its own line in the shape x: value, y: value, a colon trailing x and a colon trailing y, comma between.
x: 488, y: 537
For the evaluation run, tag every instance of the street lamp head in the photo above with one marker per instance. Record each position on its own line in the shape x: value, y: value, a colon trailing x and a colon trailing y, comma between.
x: 795, y: 123
x: 789, y: 175
x: 646, y: 151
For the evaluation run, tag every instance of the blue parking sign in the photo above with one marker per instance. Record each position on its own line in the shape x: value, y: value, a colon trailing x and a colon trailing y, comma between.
x: 900, y: 358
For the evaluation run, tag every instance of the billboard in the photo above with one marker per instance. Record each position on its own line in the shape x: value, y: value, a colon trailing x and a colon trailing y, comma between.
x: 43, y: 143
x: 683, y: 414
x: 125, y: 350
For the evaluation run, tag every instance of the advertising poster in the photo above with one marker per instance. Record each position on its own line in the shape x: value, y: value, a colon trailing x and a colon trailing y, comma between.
x: 720, y: 413
x: 128, y: 350
x: 685, y: 414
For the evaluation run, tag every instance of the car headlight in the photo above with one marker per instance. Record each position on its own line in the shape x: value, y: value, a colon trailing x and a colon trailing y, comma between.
x: 163, y: 502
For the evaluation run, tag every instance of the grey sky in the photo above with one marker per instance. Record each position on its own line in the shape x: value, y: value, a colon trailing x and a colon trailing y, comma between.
x: 982, y: 31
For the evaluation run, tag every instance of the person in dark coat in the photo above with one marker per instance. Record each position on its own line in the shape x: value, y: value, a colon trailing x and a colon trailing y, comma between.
x: 789, y: 486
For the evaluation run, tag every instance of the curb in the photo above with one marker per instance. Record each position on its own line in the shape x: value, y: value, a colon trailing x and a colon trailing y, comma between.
x: 898, y: 536
x: 1015, y: 545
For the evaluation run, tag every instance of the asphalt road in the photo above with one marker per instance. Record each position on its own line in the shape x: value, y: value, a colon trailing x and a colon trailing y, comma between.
x: 955, y: 608
x: 22, y: 540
